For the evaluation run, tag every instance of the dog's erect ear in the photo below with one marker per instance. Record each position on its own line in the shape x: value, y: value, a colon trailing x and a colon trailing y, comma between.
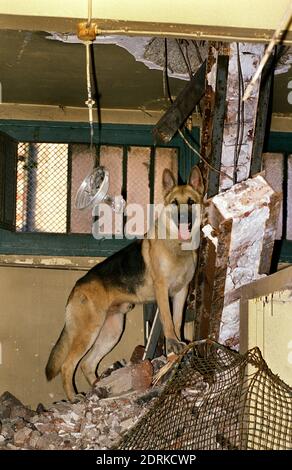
x: 168, y: 180
x: 196, y: 180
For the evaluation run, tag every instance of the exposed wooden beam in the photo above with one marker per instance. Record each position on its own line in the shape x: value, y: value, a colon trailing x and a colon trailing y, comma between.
x: 181, y: 108
x: 262, y: 116
x: 219, y: 113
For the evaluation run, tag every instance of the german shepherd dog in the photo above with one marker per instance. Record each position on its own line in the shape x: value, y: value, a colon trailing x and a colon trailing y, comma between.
x: 146, y: 270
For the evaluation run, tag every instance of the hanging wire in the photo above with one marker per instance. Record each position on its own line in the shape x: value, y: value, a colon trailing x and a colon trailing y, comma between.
x: 185, y: 58
x: 197, y: 51
x: 166, y: 88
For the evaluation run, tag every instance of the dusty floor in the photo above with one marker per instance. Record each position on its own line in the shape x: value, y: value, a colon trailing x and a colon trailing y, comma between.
x: 94, y: 421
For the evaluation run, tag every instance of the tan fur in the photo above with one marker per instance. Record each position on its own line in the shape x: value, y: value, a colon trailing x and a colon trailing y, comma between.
x: 95, y: 313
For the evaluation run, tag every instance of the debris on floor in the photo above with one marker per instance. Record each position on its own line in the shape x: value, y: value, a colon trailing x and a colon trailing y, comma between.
x: 94, y: 421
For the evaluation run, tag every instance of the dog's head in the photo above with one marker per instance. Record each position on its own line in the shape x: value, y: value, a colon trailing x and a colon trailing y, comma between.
x: 182, y: 203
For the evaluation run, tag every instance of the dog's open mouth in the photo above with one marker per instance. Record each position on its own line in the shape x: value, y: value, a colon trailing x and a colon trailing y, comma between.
x: 184, y: 231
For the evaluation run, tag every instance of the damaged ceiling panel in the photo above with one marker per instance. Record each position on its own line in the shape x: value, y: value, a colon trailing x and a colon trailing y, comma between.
x: 183, y: 56
x: 48, y: 68
x: 151, y: 51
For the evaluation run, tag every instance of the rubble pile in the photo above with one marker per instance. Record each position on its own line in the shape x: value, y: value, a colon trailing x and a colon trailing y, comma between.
x: 96, y: 420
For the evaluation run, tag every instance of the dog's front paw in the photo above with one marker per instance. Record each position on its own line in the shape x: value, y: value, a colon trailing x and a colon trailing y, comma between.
x: 174, y: 346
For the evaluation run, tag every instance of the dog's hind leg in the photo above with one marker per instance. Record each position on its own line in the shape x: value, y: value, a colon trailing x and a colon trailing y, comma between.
x: 84, y: 320
x: 79, y: 347
x: 108, y: 337
x: 178, y: 307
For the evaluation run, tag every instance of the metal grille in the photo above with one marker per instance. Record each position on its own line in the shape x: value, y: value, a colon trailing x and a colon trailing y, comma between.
x: 130, y: 175
x: 41, y: 204
x: 218, y: 399
x: 45, y: 171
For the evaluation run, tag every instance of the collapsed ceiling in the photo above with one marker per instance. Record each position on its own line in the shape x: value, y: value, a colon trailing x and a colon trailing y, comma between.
x: 182, y: 54
x: 49, y: 69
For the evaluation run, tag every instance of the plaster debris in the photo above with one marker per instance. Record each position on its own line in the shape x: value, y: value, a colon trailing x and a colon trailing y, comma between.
x: 91, y: 422
x: 125, y: 379
x: 208, y: 232
x: 211, y: 76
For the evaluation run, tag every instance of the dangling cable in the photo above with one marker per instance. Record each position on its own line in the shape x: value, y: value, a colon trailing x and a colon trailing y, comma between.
x: 166, y: 89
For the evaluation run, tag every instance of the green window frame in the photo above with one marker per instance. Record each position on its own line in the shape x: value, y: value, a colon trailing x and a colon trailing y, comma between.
x: 51, y: 244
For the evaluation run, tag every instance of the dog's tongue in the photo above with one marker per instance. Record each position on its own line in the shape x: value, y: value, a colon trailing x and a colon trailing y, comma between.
x: 183, y: 232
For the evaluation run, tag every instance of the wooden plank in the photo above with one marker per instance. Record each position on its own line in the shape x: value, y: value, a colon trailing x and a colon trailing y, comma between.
x: 181, y: 108
x: 218, y: 122
x: 262, y: 117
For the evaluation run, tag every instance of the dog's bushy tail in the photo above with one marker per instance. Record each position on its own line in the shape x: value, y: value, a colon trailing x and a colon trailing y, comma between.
x: 58, y: 355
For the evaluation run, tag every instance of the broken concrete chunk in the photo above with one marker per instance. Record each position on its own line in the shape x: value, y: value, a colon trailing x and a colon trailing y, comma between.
x: 142, y: 375
x: 49, y: 441
x: 21, y: 412
x: 40, y: 408
x: 22, y: 436
x: 157, y: 363
x: 129, y: 378
x: 7, y: 403
x: 11, y: 407
x: 33, y: 439
x: 116, y: 365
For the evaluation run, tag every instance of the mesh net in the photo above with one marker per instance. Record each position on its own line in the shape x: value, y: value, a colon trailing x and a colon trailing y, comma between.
x: 217, y: 399
x: 41, y: 204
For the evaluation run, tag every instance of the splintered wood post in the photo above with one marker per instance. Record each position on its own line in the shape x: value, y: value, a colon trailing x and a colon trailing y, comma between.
x: 211, y: 148
x: 232, y: 141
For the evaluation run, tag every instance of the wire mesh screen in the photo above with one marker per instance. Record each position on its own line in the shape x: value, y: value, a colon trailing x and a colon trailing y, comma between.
x: 49, y: 175
x: 217, y: 399
x: 129, y: 174
x: 41, y: 204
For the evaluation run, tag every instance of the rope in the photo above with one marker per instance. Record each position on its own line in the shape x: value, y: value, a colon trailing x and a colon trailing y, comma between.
x: 89, y: 102
x: 89, y: 15
x: 277, y: 36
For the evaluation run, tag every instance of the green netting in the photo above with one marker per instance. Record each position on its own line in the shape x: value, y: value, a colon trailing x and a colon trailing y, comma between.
x: 217, y: 399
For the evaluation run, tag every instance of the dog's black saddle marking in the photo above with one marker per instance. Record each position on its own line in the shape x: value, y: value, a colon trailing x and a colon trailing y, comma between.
x: 124, y: 269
